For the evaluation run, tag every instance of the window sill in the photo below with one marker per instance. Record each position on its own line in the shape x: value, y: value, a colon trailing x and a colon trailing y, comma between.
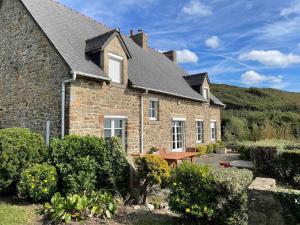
x: 154, y: 122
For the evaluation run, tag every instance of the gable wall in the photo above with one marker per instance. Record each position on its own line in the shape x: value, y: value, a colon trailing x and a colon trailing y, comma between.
x: 31, y: 72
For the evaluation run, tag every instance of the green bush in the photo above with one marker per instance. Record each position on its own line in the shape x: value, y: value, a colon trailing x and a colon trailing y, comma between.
x: 38, y: 183
x: 19, y: 149
x: 153, y: 172
x: 216, y: 196
x: 90, y: 163
x: 288, y: 166
x: 201, y: 149
x: 79, y: 207
x: 210, y: 148
x: 153, y: 149
x: 290, y: 201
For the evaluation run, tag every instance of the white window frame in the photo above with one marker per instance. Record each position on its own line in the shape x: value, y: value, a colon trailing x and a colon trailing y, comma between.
x: 112, y: 128
x: 204, y: 93
x: 213, y: 130
x: 120, y: 60
x: 153, y: 111
x: 175, y: 125
x: 199, y: 133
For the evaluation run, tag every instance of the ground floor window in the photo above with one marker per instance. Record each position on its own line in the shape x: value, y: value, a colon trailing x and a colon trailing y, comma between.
x: 178, y: 135
x: 199, y: 131
x: 114, y: 127
x: 213, y: 130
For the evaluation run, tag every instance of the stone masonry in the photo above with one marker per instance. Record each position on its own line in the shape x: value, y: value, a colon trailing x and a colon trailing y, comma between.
x: 31, y: 72
x: 31, y: 75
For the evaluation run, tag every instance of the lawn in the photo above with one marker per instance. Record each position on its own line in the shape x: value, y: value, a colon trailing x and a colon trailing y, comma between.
x: 12, y: 213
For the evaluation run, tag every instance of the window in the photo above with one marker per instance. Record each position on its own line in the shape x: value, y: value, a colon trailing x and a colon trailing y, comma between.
x: 205, y: 93
x: 178, y: 135
x: 114, y: 127
x: 213, y: 130
x: 153, y: 109
x: 115, y: 68
x: 199, y: 130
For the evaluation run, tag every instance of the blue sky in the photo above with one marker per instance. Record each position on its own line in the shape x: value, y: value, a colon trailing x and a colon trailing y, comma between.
x: 239, y: 42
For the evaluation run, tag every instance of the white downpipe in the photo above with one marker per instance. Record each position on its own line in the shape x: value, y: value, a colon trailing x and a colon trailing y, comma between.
x: 142, y: 124
x: 63, y: 102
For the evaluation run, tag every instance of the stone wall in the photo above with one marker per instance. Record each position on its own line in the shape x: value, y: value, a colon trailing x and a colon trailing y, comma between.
x: 91, y: 101
x: 31, y: 72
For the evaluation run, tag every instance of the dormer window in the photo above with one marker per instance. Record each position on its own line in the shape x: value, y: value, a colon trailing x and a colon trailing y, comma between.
x: 205, y: 93
x: 115, y: 68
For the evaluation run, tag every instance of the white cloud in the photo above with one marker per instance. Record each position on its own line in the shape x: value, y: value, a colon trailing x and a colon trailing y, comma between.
x: 187, y: 56
x: 213, y: 42
x: 252, y: 78
x: 271, y: 58
x: 196, y: 8
x: 294, y: 8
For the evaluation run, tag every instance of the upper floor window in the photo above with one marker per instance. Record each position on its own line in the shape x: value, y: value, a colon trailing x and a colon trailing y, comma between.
x: 115, y: 67
x: 153, y: 109
x: 205, y: 93
x: 200, y: 131
x: 213, y: 130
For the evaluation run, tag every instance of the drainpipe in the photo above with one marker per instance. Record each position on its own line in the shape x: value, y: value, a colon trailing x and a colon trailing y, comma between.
x: 63, y: 101
x: 142, y: 122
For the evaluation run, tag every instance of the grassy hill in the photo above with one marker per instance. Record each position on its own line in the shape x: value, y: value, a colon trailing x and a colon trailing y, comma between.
x: 258, y: 113
x: 259, y: 99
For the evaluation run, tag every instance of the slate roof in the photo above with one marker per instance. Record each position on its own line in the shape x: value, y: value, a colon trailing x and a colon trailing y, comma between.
x: 197, y: 80
x: 69, y: 30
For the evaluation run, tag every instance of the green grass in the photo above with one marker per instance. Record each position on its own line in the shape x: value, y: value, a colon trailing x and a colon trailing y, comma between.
x: 16, y: 215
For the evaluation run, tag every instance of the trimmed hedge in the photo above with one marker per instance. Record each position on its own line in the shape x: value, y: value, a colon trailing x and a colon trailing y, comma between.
x: 204, y: 195
x: 19, y: 149
x: 90, y: 163
x: 274, y: 160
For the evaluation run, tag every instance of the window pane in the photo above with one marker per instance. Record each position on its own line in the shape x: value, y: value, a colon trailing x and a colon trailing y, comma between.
x: 107, y: 123
x: 115, y: 69
x: 118, y: 124
x: 118, y: 133
x: 107, y: 134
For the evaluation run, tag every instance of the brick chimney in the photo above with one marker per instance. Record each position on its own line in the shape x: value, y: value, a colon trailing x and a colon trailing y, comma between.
x: 140, y: 38
x: 172, y: 55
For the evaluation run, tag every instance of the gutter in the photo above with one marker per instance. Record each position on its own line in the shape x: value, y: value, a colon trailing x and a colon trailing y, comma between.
x: 168, y: 93
x: 142, y: 122
x: 75, y: 74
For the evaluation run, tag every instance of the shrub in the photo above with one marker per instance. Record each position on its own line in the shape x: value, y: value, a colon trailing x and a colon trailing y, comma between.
x: 216, y: 196
x: 201, y: 149
x: 219, y: 145
x: 153, y: 171
x: 210, y: 148
x: 85, y: 163
x: 79, y: 207
x: 38, y: 183
x: 288, y: 166
x: 290, y: 201
x: 19, y: 149
x: 153, y: 149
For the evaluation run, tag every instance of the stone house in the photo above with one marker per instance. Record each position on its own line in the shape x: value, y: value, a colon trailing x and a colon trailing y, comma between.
x: 61, y: 68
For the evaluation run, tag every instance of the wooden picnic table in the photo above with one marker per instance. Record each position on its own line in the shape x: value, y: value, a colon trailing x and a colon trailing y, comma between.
x: 173, y: 157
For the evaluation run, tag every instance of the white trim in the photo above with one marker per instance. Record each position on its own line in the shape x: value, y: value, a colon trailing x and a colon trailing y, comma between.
x: 199, y: 120
x: 178, y: 119
x: 153, y: 119
x: 115, y: 57
x: 115, y: 117
x: 153, y: 99
x: 213, y: 120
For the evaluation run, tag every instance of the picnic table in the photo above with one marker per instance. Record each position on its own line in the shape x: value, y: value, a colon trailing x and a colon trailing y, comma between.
x: 173, y: 157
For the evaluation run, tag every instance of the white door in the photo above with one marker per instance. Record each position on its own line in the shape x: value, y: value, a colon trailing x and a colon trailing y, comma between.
x: 178, y: 136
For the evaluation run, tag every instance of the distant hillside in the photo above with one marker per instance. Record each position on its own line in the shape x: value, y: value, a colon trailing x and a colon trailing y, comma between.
x: 258, y: 113
x: 258, y: 99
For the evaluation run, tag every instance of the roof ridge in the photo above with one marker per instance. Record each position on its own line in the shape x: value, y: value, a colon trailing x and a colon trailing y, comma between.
x: 79, y: 13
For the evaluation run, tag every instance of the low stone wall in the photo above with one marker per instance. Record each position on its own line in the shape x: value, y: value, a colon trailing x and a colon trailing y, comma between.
x: 264, y: 207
